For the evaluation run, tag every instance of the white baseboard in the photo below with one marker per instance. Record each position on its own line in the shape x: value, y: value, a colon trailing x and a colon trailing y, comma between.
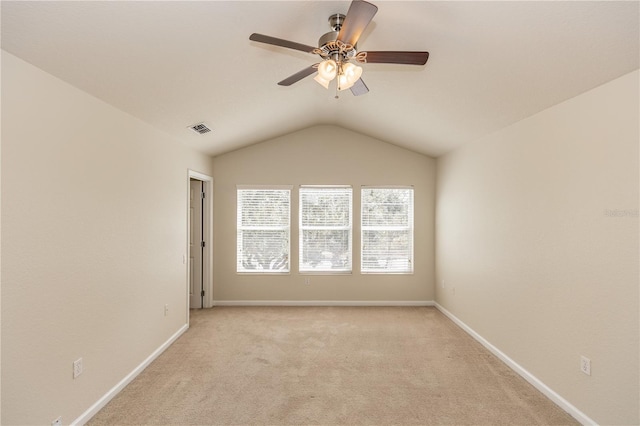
x: 537, y: 383
x: 323, y: 303
x: 86, y: 416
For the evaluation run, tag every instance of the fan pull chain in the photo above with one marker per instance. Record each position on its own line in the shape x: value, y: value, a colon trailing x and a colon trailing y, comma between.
x: 338, y: 80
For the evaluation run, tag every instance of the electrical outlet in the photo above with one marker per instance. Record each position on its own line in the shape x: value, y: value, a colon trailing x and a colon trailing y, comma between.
x: 585, y: 365
x: 307, y: 281
x: 77, y: 367
x: 57, y: 422
x: 442, y: 283
x: 166, y: 310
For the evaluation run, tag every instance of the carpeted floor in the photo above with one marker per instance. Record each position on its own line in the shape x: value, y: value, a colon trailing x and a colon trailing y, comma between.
x: 328, y: 365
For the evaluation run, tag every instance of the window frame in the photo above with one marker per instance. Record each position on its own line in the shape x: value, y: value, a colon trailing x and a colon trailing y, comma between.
x: 240, y: 228
x: 301, y: 228
x: 410, y: 227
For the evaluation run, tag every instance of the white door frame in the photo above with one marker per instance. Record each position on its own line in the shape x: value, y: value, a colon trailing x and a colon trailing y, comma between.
x: 207, y: 258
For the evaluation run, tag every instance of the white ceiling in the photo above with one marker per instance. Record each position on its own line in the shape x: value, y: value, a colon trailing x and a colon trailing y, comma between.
x: 173, y: 64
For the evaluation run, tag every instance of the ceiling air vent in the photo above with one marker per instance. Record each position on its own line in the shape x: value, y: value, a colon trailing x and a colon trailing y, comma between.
x: 200, y: 128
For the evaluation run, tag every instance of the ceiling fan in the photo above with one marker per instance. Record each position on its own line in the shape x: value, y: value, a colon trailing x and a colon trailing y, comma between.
x: 337, y: 49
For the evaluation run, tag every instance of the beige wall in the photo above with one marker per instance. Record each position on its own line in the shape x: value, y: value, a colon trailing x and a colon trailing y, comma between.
x: 94, y: 207
x: 0, y: 259
x: 323, y: 155
x: 537, y: 241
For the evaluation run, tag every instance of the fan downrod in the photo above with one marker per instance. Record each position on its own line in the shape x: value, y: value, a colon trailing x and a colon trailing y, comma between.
x: 336, y: 20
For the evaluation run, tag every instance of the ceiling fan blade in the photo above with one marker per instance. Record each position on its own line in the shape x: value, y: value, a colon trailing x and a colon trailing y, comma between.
x: 299, y: 75
x: 359, y: 88
x: 359, y: 15
x: 391, y: 57
x: 280, y: 42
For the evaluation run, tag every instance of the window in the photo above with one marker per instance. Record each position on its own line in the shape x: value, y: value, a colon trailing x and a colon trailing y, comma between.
x: 263, y: 230
x: 387, y: 230
x: 325, y: 229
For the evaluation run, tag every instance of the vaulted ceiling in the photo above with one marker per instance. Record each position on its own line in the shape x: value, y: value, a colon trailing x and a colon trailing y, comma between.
x: 173, y: 64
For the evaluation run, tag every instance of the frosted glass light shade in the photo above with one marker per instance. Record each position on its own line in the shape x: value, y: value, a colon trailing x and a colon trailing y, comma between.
x: 327, y: 69
x: 353, y: 72
x: 350, y: 74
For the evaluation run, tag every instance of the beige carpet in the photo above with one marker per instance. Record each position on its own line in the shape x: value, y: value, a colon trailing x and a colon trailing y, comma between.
x: 328, y: 365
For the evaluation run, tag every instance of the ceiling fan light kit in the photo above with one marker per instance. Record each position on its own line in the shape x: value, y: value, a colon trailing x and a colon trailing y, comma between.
x: 346, y: 72
x: 338, y: 47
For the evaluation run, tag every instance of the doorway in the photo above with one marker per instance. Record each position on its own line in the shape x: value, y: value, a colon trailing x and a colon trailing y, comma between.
x: 197, y: 243
x: 199, y: 261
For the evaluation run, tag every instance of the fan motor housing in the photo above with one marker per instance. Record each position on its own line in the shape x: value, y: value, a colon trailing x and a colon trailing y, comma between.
x: 327, y: 38
x: 335, y: 22
x: 330, y: 47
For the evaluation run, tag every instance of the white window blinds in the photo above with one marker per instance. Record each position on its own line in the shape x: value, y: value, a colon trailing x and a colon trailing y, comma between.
x: 325, y: 229
x: 387, y: 230
x: 263, y: 225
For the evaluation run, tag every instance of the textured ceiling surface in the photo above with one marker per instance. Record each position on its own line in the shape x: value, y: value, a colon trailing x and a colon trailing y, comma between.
x: 173, y: 64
